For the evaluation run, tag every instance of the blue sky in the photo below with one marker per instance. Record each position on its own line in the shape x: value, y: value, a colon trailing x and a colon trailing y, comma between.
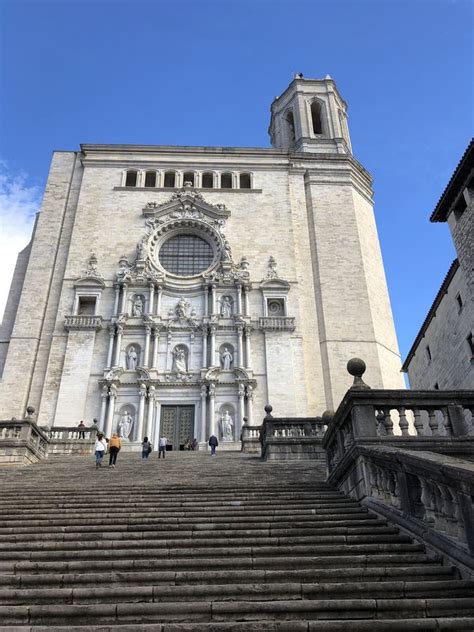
x: 205, y: 73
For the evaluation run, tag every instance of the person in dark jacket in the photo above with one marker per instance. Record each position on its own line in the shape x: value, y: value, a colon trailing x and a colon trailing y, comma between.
x: 213, y: 442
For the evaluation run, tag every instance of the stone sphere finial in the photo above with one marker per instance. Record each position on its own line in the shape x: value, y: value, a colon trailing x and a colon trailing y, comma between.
x: 30, y: 412
x: 357, y: 368
x: 245, y: 420
x: 268, y: 409
x: 327, y: 416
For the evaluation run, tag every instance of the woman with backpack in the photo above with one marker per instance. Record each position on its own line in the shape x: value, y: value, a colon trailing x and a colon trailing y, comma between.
x: 146, y: 448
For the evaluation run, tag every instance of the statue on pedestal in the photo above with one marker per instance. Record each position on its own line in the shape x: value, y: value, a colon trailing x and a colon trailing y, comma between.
x: 226, y: 307
x: 137, y: 309
x: 226, y: 359
x: 125, y: 425
x: 227, y: 426
x: 180, y: 360
x: 132, y: 359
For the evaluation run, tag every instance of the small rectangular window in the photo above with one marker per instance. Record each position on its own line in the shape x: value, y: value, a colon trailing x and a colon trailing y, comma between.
x: 207, y: 181
x: 226, y: 181
x: 245, y: 181
x: 459, y: 302
x: 150, y: 179
x: 86, y: 306
x: 188, y: 177
x: 428, y: 353
x: 170, y: 179
x: 131, y: 179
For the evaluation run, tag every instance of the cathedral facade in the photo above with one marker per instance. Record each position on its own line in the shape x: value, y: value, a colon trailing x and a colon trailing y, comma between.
x: 177, y: 290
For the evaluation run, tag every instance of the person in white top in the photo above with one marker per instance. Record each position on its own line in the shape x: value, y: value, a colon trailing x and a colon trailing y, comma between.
x: 100, y: 448
x: 162, y: 446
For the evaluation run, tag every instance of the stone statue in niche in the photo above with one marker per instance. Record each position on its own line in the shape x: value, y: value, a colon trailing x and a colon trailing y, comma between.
x: 182, y: 308
x: 125, y: 425
x: 137, y: 309
x: 226, y: 359
x: 227, y: 426
x: 226, y: 307
x: 132, y: 359
x: 180, y: 365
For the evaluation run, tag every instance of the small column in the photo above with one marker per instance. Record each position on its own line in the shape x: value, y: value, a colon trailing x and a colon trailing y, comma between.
x: 206, y: 300
x: 241, y: 412
x: 248, y: 361
x: 239, y: 346
x: 168, y: 352
x: 203, y: 437
x: 213, y: 345
x: 239, y: 299
x: 117, y: 296
x: 250, y: 404
x: 111, y: 346
x: 158, y: 302
x: 141, y: 411
x: 123, y: 307
x: 191, y: 350
x: 111, y: 410
x: 156, y: 344
x: 157, y: 429
x: 204, y: 347
x: 212, y: 414
x: 246, y: 302
x: 104, y: 395
x: 214, y: 300
x: 151, y: 402
x: 118, y: 345
x: 146, y: 352
x: 152, y: 298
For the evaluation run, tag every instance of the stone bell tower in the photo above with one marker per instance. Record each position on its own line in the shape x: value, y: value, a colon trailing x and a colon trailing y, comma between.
x: 310, y: 116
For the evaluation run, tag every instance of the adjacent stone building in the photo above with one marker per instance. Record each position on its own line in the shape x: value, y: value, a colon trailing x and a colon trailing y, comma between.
x: 176, y: 290
x: 442, y: 356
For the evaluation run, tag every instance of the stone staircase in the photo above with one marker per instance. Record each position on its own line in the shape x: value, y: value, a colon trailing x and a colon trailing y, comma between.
x: 195, y: 542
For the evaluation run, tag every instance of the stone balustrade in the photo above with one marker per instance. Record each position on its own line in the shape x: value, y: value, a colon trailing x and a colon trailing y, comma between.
x: 82, y: 321
x: 291, y: 438
x: 76, y: 440
x: 22, y: 442
x: 250, y: 439
x: 277, y: 323
x: 398, y: 453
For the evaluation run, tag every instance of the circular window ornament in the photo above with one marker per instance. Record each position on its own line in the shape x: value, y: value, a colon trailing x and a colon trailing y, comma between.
x: 186, y: 255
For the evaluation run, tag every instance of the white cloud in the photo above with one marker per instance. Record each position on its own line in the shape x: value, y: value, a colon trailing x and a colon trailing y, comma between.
x: 18, y: 206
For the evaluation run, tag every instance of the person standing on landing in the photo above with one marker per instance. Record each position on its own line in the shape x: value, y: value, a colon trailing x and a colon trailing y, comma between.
x: 213, y: 442
x: 114, y: 448
x: 162, y: 447
x: 99, y: 448
x: 146, y: 448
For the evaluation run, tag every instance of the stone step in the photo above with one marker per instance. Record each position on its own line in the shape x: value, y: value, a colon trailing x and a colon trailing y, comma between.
x: 250, y: 592
x: 161, y: 552
x: 429, y: 572
x: 229, y: 562
x: 354, y: 521
x: 375, y: 528
x: 211, y: 542
x: 221, y: 611
x: 354, y: 625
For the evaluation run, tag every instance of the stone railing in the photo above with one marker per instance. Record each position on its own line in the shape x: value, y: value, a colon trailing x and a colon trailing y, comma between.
x: 277, y: 323
x: 291, y: 438
x: 250, y: 438
x: 22, y: 442
x: 398, y: 453
x: 82, y: 321
x: 78, y: 440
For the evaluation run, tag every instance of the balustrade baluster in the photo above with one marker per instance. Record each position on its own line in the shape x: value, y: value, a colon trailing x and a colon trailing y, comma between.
x: 403, y: 421
x: 448, y: 426
x: 418, y: 422
x: 388, y: 423
x: 433, y: 422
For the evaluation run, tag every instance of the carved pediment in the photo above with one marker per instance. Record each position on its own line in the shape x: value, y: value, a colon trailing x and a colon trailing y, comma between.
x: 187, y: 203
